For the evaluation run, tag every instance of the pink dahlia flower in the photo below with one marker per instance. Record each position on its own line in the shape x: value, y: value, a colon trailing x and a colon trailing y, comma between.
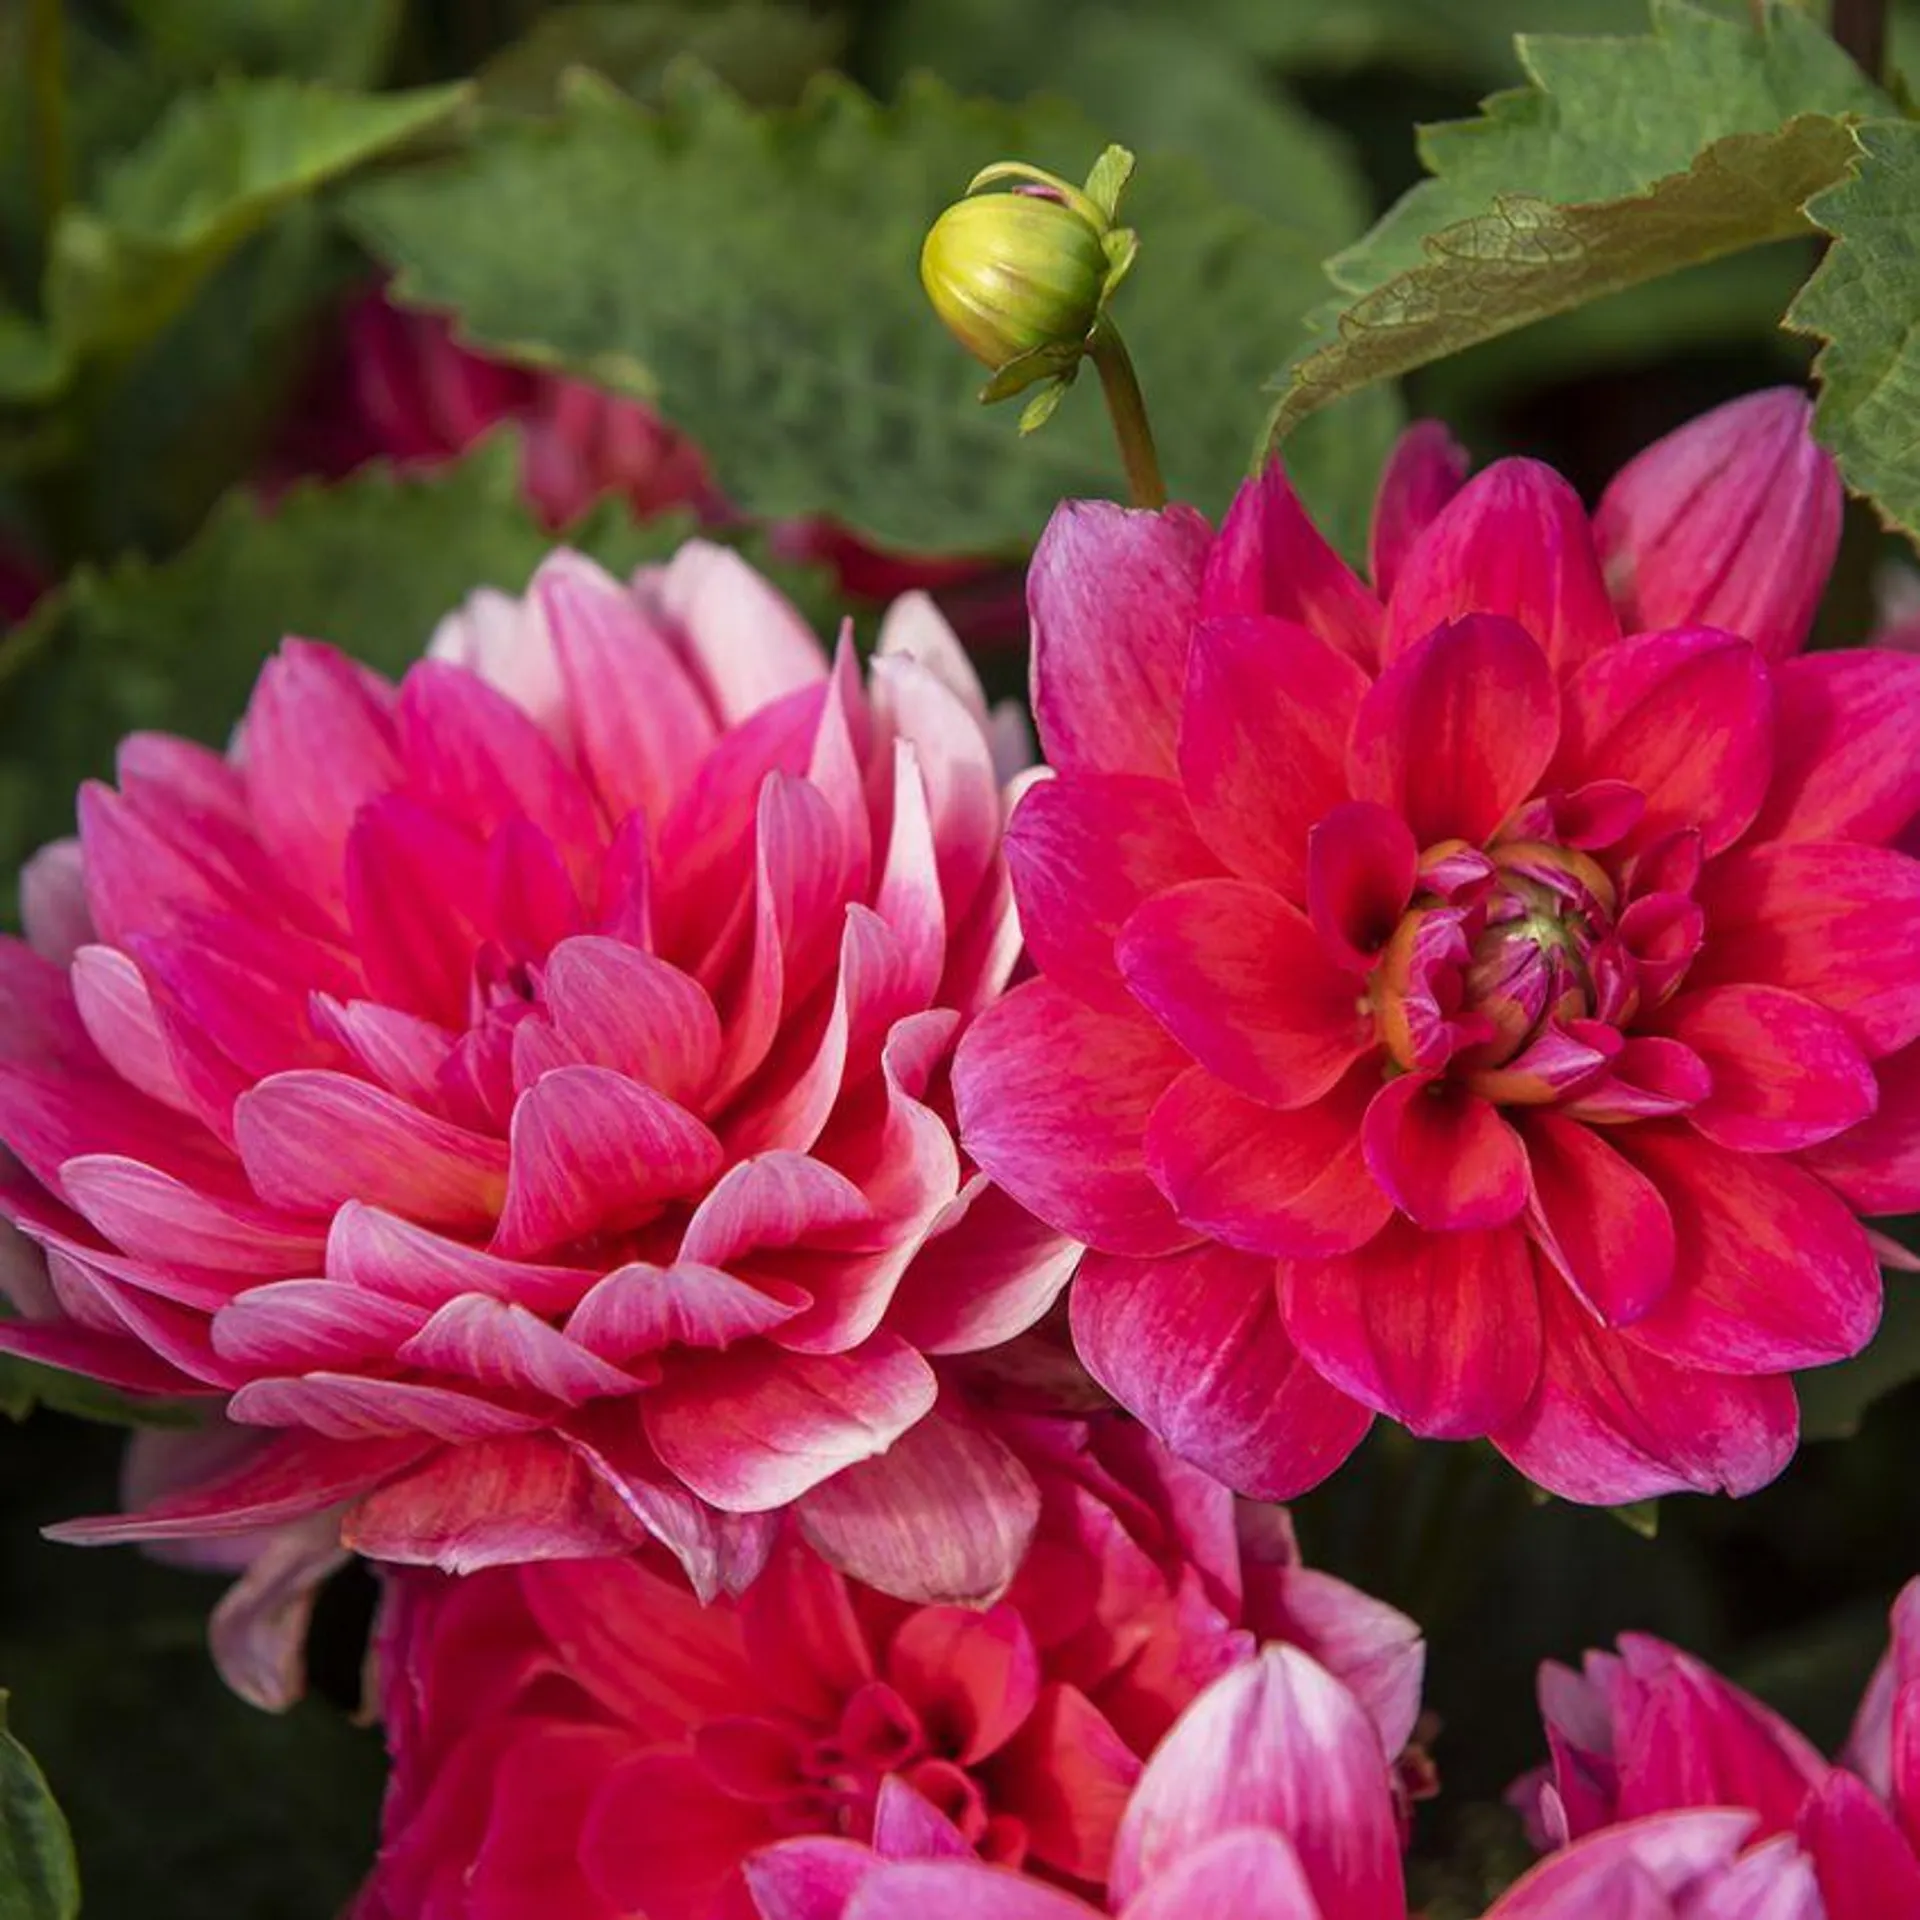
x: 1650, y: 1730
x: 584, y: 1739
x: 522, y: 1088
x: 1458, y: 1002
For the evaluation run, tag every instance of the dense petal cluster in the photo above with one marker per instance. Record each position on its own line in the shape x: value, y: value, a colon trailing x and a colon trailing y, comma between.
x: 583, y: 1738
x: 522, y: 1085
x: 1484, y: 997
x: 1649, y: 1731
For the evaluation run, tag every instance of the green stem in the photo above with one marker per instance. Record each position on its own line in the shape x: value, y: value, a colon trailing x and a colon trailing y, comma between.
x: 1129, y: 411
x: 47, y: 82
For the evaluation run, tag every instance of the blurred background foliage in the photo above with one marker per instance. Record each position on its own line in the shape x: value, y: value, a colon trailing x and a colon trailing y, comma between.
x: 670, y: 198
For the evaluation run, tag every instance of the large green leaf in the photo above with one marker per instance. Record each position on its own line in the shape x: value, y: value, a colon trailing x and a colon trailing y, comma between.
x: 1865, y: 303
x: 39, y: 1878
x: 1625, y: 160
x: 754, y: 273
x: 221, y: 163
x: 370, y: 564
x: 347, y: 43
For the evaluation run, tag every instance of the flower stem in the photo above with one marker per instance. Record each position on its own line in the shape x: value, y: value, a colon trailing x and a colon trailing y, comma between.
x: 1129, y: 412
x: 1860, y: 28
x: 47, y: 84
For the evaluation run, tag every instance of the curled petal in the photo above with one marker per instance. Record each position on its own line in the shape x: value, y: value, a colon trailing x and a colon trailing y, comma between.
x: 1448, y: 1159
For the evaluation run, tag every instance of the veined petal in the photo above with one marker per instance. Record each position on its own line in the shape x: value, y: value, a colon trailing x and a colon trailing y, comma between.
x: 1844, y: 768
x: 1448, y: 1159
x: 1598, y: 1218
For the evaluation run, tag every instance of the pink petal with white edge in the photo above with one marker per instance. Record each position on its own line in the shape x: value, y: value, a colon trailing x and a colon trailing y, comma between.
x: 1053, y: 1100
x: 311, y: 1141
x: 1844, y: 768
x: 1427, y: 467
x: 116, y: 1006
x: 960, y: 1890
x: 1876, y: 1164
x: 1786, y: 1073
x: 1458, y: 730
x: 1251, y: 1875
x: 1772, y: 1272
x: 1448, y: 1159
x: 807, y: 1879
x: 112, y: 1358
x: 385, y: 1254
x: 1263, y: 737
x: 945, y: 1514
x: 1277, y: 1745
x: 1732, y: 519
x: 1514, y: 541
x: 153, y: 1216
x: 1610, y: 1422
x: 1084, y: 853
x: 594, y: 1152
x: 1111, y: 592
x: 914, y: 628
x: 1263, y: 1181
x: 53, y: 901
x: 1192, y: 1344
x: 774, y: 1200
x: 288, y: 1325
x: 756, y: 1429
x: 345, y: 1406
x: 613, y: 1006
x: 1598, y: 1218
x: 497, y: 1343
x: 257, y: 1633
x: 1630, y: 1871
x: 1271, y: 559
x: 1687, y: 718
x: 1442, y: 1331
x: 638, y: 1309
x: 1239, y: 977
x: 1833, y: 921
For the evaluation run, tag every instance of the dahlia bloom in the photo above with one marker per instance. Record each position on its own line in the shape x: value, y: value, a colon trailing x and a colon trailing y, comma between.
x: 1484, y: 998
x: 583, y: 1738
x: 1650, y: 1730
x: 519, y: 1088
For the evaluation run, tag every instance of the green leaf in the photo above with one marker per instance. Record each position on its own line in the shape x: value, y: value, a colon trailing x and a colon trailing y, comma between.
x: 39, y: 1877
x: 220, y: 165
x: 32, y: 366
x: 1865, y: 303
x: 766, y: 51
x: 1834, y: 1400
x: 754, y: 275
x: 1625, y: 160
x: 346, y: 43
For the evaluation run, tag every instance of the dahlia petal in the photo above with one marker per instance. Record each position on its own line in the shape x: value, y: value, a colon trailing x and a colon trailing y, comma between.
x: 1270, y: 558
x: 663, y: 1836
x: 138, y: 873
x: 345, y: 1406
x: 1263, y: 735
x: 1423, y: 473
x: 1251, y: 1875
x: 945, y: 1514
x: 1687, y: 717
x: 417, y: 901
x: 908, y: 898
x: 311, y: 1141
x: 1361, y: 868
x: 741, y: 633
x: 1442, y: 1331
x: 1611, y: 1422
x: 756, y: 1429
x: 505, y: 641
x: 1111, y: 593
x: 287, y: 1325
x: 807, y: 1879
x: 638, y: 1309
x: 1772, y: 1272
x: 53, y: 901
x: 960, y: 1890
x: 1239, y: 978
x: 1458, y: 730
x: 1277, y: 1745
x: 532, y: 902
x: 1786, y: 1074
x: 1630, y: 1871
x: 1266, y: 1182
x: 1867, y: 1867
x: 487, y: 1502
x: 1732, y: 520
x: 288, y: 1477
x: 975, y: 1675
x: 1832, y: 921
x: 1843, y: 764
x: 498, y: 1343
x: 404, y: 1053
x: 1599, y: 1219
x: 1084, y: 853
x: 638, y: 752
x: 1053, y: 1100
x: 50, y: 1117
x: 594, y: 1152
x: 381, y: 1253
x: 1448, y: 1159
x: 1193, y: 1346
x: 257, y: 1633
x: 1065, y: 1776
x: 116, y: 1007
x: 1648, y: 1077
x: 114, y: 1359
x: 913, y: 628
x: 613, y: 1006
x: 1514, y: 541
x: 152, y: 1216
x: 1875, y: 1165
x: 319, y: 744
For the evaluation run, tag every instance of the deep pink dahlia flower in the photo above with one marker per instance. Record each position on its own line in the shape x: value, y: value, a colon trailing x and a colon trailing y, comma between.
x: 1458, y: 1002
x: 587, y: 1730
x: 522, y: 1086
x: 1650, y: 1730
